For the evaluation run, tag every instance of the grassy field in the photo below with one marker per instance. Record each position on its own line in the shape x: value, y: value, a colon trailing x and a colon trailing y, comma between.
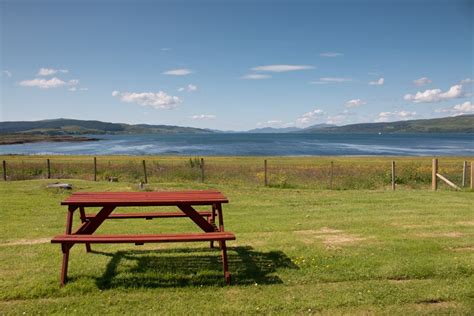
x: 348, y: 173
x: 298, y: 251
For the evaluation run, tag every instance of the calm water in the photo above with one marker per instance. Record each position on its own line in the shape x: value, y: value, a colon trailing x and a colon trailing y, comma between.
x: 259, y: 145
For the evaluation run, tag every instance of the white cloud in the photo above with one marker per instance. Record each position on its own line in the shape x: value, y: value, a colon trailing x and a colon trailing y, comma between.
x: 326, y: 80
x: 189, y: 88
x: 165, y: 49
x: 157, y: 100
x: 256, y: 76
x: 73, y: 89
x: 282, y: 68
x: 50, y: 71
x: 73, y: 82
x: 355, y: 103
x: 435, y: 95
x: 463, y: 108
x: 7, y: 73
x: 422, y: 81
x: 178, y: 72
x: 203, y: 117
x: 46, y: 72
x: 467, y: 81
x: 396, y: 115
x: 379, y: 82
x: 330, y: 54
x: 84, y: 89
x: 43, y: 83
x: 309, y: 117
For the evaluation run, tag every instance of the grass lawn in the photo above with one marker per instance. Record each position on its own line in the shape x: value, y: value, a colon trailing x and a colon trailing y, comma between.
x: 298, y: 251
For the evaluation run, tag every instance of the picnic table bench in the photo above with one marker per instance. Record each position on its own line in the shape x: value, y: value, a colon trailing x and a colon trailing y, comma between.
x: 109, y: 201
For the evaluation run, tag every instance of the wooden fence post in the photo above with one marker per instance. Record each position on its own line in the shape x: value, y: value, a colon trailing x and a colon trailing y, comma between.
x: 393, y: 175
x: 331, y: 175
x: 49, y: 168
x: 265, y: 172
x: 434, y: 178
x: 144, y: 171
x: 464, y: 173
x: 95, y: 168
x: 5, y: 171
x: 472, y: 175
x: 202, y: 170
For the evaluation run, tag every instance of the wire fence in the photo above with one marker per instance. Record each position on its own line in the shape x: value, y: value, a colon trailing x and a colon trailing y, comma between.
x: 305, y: 172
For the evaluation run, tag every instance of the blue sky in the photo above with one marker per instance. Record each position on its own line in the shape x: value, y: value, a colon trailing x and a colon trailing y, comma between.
x: 236, y: 65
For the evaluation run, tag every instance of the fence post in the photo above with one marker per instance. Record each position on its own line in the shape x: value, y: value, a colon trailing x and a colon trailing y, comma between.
x: 472, y: 175
x: 144, y: 171
x: 202, y: 170
x: 49, y: 168
x: 393, y: 175
x: 5, y: 171
x: 464, y: 173
x: 265, y: 172
x: 95, y: 168
x: 434, y: 171
x: 331, y: 175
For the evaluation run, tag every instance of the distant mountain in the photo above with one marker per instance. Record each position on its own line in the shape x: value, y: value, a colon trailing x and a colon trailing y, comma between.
x: 318, y: 127
x: 272, y: 130
x: 80, y: 127
x: 456, y: 124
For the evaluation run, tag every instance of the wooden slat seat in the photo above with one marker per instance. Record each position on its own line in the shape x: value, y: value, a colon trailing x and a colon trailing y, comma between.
x: 141, y: 239
x: 148, y: 215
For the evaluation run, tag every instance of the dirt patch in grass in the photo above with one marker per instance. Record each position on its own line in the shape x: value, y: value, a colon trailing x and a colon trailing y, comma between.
x: 436, y: 304
x: 446, y: 234
x: 331, y: 238
x: 462, y: 249
x: 466, y: 223
x: 22, y: 242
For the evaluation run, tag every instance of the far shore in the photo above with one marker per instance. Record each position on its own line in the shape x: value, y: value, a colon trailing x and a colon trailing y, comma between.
x: 13, y: 139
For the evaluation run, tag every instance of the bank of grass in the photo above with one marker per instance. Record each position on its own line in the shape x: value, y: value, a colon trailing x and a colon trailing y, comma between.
x: 348, y: 173
x: 298, y: 251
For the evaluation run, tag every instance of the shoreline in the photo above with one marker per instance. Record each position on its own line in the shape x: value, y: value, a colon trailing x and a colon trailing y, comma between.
x: 17, y: 139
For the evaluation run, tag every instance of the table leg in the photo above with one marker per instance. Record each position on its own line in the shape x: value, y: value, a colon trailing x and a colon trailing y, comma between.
x: 83, y: 220
x: 225, y: 264
x: 213, y: 220
x: 66, y: 247
x: 221, y: 217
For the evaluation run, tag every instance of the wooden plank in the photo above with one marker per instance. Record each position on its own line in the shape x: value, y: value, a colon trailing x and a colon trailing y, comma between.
x: 464, y: 173
x: 194, y: 216
x: 448, y: 182
x: 48, y: 164
x: 202, y: 170
x: 189, y: 237
x: 144, y: 171
x: 434, y: 171
x: 149, y: 215
x: 95, y: 168
x: 472, y: 175
x: 145, y: 198
x: 91, y: 226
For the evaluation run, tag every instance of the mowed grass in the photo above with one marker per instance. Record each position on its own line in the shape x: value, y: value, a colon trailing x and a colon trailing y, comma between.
x: 298, y: 251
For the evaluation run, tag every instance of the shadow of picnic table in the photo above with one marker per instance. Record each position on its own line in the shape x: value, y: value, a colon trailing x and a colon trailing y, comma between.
x: 191, y: 267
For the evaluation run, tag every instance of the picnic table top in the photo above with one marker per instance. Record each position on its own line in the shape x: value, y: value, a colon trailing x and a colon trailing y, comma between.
x: 195, y: 197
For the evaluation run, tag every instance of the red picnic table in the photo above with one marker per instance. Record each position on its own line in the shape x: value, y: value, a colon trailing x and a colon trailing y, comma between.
x: 109, y: 201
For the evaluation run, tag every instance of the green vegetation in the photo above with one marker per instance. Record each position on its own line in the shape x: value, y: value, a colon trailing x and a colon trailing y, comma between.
x: 78, y: 127
x: 298, y: 251
x: 283, y: 172
x: 20, y: 138
x: 457, y: 124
